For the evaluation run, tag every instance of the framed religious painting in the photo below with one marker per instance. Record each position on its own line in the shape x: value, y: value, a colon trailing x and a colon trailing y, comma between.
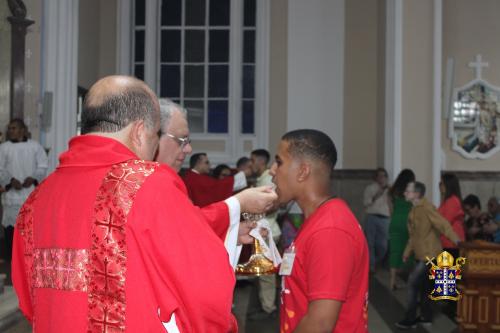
x: 474, y: 119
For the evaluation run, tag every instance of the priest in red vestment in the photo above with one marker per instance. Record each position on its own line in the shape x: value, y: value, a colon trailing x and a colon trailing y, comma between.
x: 203, y: 189
x: 110, y: 242
x: 222, y: 216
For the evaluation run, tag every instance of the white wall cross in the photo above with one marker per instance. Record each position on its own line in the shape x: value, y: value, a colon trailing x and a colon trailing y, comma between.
x: 478, y: 66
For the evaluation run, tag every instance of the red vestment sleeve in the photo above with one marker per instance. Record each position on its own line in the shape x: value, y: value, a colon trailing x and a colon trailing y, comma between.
x: 190, y: 271
x: 217, y: 217
x: 20, y: 279
x: 204, y: 190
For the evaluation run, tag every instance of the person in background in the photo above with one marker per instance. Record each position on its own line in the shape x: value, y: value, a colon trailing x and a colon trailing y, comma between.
x: 203, y: 189
x: 451, y: 210
x: 425, y: 225
x: 494, y: 209
x: 221, y: 171
x: 23, y: 165
x: 376, y: 203
x: 244, y: 164
x: 267, y: 283
x: 473, y: 223
x: 398, y: 227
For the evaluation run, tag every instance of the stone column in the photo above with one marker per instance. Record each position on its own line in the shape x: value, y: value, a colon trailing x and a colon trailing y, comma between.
x: 19, y: 25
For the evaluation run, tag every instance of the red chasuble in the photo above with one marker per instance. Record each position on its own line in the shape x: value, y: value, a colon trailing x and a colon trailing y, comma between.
x: 109, y: 243
x: 204, y: 190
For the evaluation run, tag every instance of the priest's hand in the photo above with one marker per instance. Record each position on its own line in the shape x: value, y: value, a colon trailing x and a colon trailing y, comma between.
x: 29, y: 181
x: 15, y: 184
x: 257, y: 200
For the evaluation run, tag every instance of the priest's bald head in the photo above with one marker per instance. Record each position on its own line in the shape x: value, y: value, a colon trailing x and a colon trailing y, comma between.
x: 125, y: 109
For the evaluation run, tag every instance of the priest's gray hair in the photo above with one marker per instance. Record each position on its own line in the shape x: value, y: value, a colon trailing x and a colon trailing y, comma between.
x: 167, y: 108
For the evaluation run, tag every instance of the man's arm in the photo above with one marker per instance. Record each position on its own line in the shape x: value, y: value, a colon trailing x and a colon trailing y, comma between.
x: 321, y: 317
x: 224, y: 217
x: 441, y: 224
x: 5, y: 176
x: 42, y: 164
x: 20, y: 275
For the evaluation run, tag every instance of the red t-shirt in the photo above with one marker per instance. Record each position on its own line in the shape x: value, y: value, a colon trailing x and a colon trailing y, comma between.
x: 451, y: 210
x: 331, y: 262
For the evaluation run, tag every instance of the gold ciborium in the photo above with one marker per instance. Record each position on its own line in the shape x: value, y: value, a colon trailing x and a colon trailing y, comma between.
x: 258, y: 264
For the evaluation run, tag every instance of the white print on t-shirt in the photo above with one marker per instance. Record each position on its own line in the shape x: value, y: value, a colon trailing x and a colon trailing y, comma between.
x: 283, y: 289
x: 288, y: 259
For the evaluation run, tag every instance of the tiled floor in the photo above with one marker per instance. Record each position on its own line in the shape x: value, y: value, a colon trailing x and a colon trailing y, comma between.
x: 385, y: 309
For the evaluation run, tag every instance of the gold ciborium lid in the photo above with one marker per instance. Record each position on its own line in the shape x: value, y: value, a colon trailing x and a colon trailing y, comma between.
x: 258, y: 264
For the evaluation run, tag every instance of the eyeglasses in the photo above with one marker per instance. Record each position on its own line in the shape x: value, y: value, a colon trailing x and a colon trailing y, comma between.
x: 183, y: 142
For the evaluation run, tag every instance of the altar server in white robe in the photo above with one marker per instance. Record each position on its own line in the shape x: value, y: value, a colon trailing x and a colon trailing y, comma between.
x: 23, y: 165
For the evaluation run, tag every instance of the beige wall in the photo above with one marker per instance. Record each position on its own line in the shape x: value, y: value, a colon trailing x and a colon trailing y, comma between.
x: 5, y: 31
x: 360, y: 85
x: 417, y: 92
x: 97, y: 40
x: 278, y: 73
x: 470, y: 27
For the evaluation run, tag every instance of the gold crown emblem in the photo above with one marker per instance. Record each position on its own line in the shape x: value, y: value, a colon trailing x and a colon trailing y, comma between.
x: 445, y: 259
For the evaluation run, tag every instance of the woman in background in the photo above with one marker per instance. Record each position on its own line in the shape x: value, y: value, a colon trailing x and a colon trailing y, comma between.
x: 221, y: 171
x: 398, y: 227
x: 451, y: 210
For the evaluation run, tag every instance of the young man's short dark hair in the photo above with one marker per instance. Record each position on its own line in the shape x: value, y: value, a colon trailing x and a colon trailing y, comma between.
x: 314, y: 144
x: 195, y: 158
x: 241, y: 161
x: 262, y: 153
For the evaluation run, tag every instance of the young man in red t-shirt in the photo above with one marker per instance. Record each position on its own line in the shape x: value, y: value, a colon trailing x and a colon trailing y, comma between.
x: 325, y: 270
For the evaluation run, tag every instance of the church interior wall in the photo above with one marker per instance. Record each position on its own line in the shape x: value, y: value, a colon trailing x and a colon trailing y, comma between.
x: 5, y: 31
x: 417, y: 90
x: 315, y: 67
x: 278, y: 73
x: 361, y: 79
x: 97, y: 40
x: 470, y: 29
x: 32, y: 77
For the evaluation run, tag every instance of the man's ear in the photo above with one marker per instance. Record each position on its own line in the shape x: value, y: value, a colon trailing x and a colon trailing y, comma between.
x: 137, y: 133
x: 304, y: 171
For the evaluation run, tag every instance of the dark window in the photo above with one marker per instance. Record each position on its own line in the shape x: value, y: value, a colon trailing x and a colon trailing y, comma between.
x: 194, y: 78
x: 247, y: 117
x: 219, y: 12
x: 195, y: 46
x: 171, y: 12
x: 219, y: 46
x: 249, y: 13
x: 248, y: 81
x: 195, y: 12
x: 140, y: 12
x: 139, y: 46
x: 170, y: 46
x: 249, y: 46
x: 170, y: 81
x: 217, y: 117
x: 139, y: 71
x: 218, y: 80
